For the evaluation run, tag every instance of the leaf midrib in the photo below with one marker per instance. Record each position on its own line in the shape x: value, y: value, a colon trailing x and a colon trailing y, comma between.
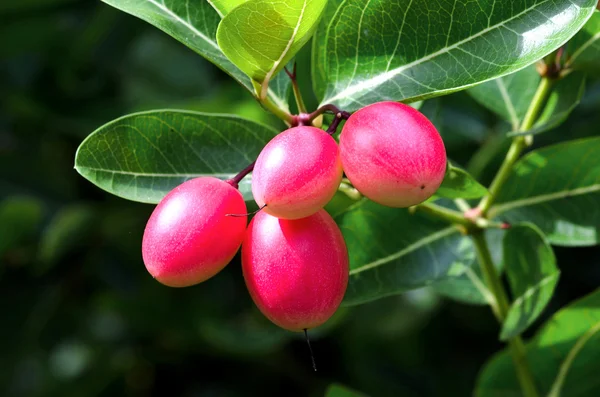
x: 408, y: 249
x: 542, y: 198
x: 508, y: 102
x: 286, y: 49
x: 382, y: 78
x: 187, y: 24
x: 154, y: 174
x: 528, y: 293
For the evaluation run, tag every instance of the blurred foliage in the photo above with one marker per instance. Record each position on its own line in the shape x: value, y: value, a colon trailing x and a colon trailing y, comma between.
x: 80, y: 314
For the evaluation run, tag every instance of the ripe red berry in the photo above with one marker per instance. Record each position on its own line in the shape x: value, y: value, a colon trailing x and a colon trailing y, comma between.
x: 392, y: 154
x: 297, y: 173
x: 189, y: 238
x: 296, y: 270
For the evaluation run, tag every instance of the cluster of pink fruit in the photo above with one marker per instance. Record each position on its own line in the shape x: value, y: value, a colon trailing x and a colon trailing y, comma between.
x: 294, y: 258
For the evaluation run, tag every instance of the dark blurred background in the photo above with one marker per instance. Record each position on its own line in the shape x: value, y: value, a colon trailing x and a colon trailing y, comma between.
x: 80, y: 316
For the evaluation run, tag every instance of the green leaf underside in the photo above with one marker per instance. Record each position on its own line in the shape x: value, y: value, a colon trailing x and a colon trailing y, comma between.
x: 413, y: 49
x: 531, y: 268
x: 392, y: 251
x: 569, y: 344
x: 223, y: 7
x: 143, y: 156
x: 459, y: 184
x: 193, y: 23
x: 583, y: 51
x: 261, y: 36
x: 558, y: 189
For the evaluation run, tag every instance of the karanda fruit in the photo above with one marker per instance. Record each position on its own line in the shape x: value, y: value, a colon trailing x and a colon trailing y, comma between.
x: 297, y: 173
x: 296, y: 270
x: 392, y: 154
x: 189, y: 236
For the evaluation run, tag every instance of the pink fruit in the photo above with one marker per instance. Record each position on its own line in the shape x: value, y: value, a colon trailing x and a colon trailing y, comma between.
x: 296, y: 270
x: 297, y: 173
x: 392, y: 154
x: 189, y: 238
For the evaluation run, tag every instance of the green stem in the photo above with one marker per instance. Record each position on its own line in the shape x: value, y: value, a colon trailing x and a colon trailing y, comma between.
x: 538, y: 101
x: 490, y: 275
x: 462, y: 204
x: 519, y: 356
x: 519, y: 143
x: 271, y: 107
x: 445, y: 214
x: 277, y: 111
x: 500, y: 309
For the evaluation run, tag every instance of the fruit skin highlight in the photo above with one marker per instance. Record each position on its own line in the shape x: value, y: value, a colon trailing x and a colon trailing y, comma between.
x: 189, y: 238
x: 296, y: 270
x: 392, y: 154
x: 297, y: 173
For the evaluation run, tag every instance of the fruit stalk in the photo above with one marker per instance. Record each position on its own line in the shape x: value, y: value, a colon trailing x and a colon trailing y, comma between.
x: 339, y: 116
x: 235, y: 181
x: 445, y: 214
x: 325, y: 108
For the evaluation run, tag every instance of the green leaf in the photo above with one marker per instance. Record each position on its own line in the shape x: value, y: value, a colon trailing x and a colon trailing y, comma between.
x: 467, y: 285
x: 193, y: 23
x: 143, y: 156
x: 409, y: 50
x: 530, y: 265
x: 337, y: 390
x: 583, y: 51
x: 319, y: 49
x: 459, y: 184
x: 563, y: 356
x: 223, y: 7
x: 19, y: 218
x: 510, y: 96
x: 556, y: 188
x: 261, y: 36
x: 281, y: 85
x: 564, y: 98
x: 392, y: 250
